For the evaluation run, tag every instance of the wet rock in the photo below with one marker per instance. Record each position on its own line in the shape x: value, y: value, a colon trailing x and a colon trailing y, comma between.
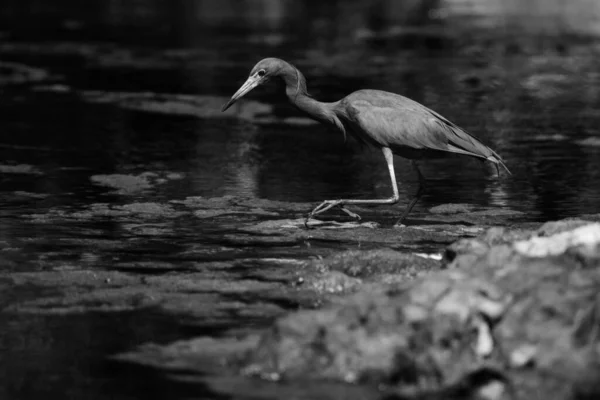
x: 154, y: 266
x: 132, y: 184
x: 228, y: 206
x: 448, y: 223
x: 590, y: 142
x: 566, y: 238
x: 368, y: 336
x: 333, y: 282
x: 451, y: 208
x: 126, y: 212
x: 365, y: 264
x: 235, y: 203
x: 174, y: 176
x: 211, y: 298
x: 125, y: 184
x: 312, y: 223
x: 274, y: 204
x: 261, y: 240
x: 554, y: 227
x: 517, y: 313
x: 20, y: 197
x: 51, y: 216
x: 149, y: 229
x: 349, y: 271
x: 82, y: 291
x: 500, y: 235
x: 94, y: 210
x: 469, y: 214
x: 19, y: 169
x: 150, y: 209
x: 423, y: 336
x: 211, y: 213
x: 206, y: 202
x: 22, y: 194
x: 489, y: 241
x: 584, y: 237
x: 15, y: 73
x: 469, y: 249
x: 356, y: 233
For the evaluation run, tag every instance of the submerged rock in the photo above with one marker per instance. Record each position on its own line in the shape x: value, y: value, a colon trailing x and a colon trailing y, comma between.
x: 365, y: 264
x: 132, y: 184
x: 15, y: 73
x: 470, y: 214
x: 124, y: 213
x: 451, y: 208
x: 20, y: 169
x: 125, y: 184
x: 349, y: 271
x: 515, y: 314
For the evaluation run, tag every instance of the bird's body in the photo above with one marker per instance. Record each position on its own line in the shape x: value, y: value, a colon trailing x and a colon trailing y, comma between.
x: 395, y: 124
x: 409, y: 129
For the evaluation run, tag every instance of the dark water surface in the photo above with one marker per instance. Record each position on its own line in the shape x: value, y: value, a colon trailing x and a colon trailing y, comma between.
x: 114, y: 102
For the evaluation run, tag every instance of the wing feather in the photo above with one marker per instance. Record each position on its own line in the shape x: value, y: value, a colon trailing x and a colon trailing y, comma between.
x: 389, y: 120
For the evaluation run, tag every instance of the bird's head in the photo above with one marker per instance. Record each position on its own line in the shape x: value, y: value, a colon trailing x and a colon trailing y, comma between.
x: 261, y: 73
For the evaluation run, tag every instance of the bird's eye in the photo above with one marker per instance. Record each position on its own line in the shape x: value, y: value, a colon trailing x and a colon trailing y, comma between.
x: 262, y: 73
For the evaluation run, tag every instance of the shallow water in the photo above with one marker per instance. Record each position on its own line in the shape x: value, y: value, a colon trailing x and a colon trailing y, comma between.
x: 151, y: 113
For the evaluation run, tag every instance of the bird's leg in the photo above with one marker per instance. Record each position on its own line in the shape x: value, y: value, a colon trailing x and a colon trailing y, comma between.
x: 328, y: 204
x: 420, y: 189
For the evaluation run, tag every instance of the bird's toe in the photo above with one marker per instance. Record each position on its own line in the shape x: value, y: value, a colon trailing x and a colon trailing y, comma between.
x: 350, y: 213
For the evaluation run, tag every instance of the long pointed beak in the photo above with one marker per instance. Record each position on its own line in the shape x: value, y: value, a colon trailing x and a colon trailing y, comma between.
x: 250, y: 84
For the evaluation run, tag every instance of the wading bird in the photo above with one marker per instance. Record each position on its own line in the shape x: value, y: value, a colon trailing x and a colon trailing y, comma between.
x: 393, y: 123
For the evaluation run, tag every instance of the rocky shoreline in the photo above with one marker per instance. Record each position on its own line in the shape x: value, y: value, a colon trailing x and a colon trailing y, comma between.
x: 511, y: 313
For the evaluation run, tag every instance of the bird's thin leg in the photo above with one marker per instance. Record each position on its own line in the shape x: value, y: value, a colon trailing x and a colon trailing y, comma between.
x: 420, y: 189
x: 328, y: 204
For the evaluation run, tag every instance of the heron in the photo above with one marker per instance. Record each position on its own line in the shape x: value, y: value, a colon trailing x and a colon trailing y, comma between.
x: 393, y: 123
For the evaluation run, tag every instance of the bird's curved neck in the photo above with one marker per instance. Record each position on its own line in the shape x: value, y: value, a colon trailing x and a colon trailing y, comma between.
x: 295, y: 89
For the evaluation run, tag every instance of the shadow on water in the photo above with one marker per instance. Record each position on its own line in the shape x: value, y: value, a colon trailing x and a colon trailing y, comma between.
x: 111, y: 119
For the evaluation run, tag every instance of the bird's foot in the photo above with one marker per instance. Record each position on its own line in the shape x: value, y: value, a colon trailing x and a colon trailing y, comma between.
x: 327, y: 205
x: 399, y: 224
x: 350, y: 213
x: 324, y: 206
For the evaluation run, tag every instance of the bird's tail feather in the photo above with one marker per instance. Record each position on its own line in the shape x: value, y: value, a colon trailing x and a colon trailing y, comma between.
x: 465, y: 143
x: 498, y: 161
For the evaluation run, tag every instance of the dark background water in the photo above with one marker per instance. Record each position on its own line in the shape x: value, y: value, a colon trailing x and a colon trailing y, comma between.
x: 523, y: 78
